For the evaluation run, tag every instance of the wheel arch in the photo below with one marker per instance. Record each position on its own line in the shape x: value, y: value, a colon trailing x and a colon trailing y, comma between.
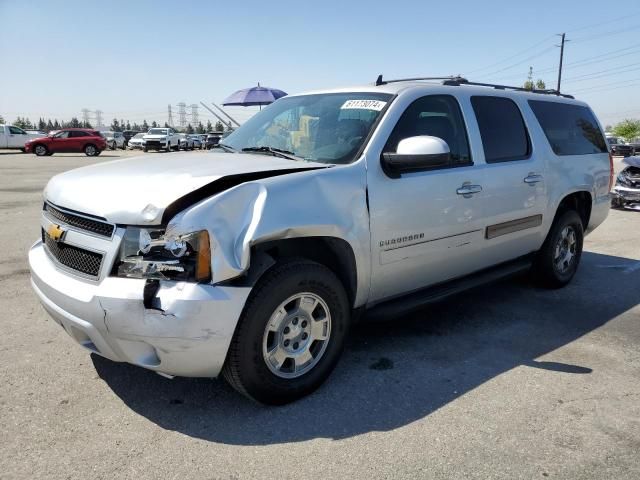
x: 581, y: 201
x: 334, y: 253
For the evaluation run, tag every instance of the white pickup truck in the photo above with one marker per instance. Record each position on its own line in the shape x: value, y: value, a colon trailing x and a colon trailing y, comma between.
x: 14, y: 137
x: 161, y: 139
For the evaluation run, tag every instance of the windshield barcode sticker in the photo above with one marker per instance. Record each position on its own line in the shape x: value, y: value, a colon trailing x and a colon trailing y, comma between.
x: 376, y: 105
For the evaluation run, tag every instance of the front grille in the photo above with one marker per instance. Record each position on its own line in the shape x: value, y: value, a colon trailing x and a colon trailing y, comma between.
x: 92, y: 226
x: 75, y: 258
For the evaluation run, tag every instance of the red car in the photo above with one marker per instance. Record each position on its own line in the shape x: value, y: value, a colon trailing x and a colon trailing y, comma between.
x: 91, y: 142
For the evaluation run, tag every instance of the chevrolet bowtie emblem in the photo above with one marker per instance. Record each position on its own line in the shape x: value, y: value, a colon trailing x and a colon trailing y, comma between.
x: 55, y: 232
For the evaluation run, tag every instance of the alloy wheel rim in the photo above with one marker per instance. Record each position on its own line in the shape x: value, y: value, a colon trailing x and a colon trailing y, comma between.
x: 91, y: 150
x: 296, y: 335
x: 565, y: 250
x: 40, y: 150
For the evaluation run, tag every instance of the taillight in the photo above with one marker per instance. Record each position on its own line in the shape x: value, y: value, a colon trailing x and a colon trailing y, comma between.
x: 610, y: 171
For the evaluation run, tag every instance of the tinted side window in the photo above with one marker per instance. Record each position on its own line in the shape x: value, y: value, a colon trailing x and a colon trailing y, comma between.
x: 570, y: 129
x: 504, y: 135
x: 77, y: 133
x: 17, y: 131
x: 437, y: 116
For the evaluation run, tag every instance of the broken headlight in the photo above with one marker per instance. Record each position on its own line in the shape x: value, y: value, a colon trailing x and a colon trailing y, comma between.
x: 148, y: 253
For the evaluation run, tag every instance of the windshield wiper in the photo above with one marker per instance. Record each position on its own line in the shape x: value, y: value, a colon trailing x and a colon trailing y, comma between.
x: 276, y: 152
x: 224, y: 147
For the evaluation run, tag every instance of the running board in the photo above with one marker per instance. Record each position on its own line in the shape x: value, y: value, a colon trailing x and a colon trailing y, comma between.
x: 416, y: 300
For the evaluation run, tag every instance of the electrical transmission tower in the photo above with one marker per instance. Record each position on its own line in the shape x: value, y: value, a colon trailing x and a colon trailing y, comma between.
x: 98, y: 118
x: 170, y: 115
x: 85, y: 117
x: 182, y: 114
x: 194, y: 114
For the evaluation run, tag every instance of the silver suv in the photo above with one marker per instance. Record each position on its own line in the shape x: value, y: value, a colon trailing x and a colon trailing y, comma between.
x: 253, y: 260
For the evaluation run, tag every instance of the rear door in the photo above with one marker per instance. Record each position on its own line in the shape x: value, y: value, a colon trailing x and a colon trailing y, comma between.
x: 77, y: 140
x: 514, y: 180
x: 424, y: 228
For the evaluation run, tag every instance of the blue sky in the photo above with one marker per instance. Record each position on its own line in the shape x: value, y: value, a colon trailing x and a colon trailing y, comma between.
x: 132, y: 58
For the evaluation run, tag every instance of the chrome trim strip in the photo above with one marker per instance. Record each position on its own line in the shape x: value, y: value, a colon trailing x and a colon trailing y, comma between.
x: 57, y: 221
x: 512, y: 226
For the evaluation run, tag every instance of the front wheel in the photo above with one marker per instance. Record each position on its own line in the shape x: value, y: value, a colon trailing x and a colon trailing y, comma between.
x: 290, y: 334
x: 168, y: 149
x: 557, y: 261
x: 40, y: 150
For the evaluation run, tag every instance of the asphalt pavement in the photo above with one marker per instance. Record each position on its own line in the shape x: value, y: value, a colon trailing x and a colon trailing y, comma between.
x: 505, y: 381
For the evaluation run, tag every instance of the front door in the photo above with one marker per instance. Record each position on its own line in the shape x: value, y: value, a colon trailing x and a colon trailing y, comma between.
x: 426, y: 227
x: 17, y: 137
x: 61, y: 142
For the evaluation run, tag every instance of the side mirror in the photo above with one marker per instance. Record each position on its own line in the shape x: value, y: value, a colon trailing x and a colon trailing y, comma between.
x: 416, y: 154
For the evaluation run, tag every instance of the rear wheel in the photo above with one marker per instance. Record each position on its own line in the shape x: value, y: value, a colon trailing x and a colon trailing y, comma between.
x: 40, y: 150
x: 90, y: 150
x: 557, y: 261
x: 290, y: 334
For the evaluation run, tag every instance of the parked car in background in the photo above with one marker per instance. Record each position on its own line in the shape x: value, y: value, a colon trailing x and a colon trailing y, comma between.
x: 68, y: 140
x: 15, y: 137
x: 626, y: 193
x: 635, y: 143
x: 128, y: 135
x: 114, y: 139
x: 39, y: 133
x: 618, y: 147
x: 197, y: 141
x: 185, y: 142
x: 161, y: 139
x: 136, y: 142
x: 212, y: 140
x: 253, y: 262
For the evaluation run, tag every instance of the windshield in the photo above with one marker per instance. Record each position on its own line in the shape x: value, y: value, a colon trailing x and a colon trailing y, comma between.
x: 138, y: 135
x: 107, y: 134
x: 328, y: 128
x: 158, y: 131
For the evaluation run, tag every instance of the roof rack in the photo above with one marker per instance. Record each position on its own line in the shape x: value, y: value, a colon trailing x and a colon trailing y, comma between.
x: 458, y: 80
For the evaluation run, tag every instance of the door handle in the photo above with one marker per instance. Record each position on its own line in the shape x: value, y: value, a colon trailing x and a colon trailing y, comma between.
x: 532, y: 178
x: 467, y: 190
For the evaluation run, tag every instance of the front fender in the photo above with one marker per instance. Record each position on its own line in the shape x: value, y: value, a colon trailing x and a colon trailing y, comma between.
x: 318, y: 203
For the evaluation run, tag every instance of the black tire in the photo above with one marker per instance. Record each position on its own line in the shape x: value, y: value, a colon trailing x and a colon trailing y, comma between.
x: 113, y: 146
x: 90, y: 150
x: 40, y: 150
x: 246, y: 369
x: 545, y: 269
x: 23, y: 150
x: 168, y: 149
x: 617, y: 202
x: 145, y: 149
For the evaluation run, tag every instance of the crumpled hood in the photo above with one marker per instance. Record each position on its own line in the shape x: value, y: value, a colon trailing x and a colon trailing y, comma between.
x: 137, y: 190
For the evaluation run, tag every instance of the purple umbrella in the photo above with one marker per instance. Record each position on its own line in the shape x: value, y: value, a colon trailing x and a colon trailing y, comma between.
x: 248, y: 97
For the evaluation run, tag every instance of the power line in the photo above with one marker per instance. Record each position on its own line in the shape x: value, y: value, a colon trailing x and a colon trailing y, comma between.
x: 512, y: 56
x: 608, y: 84
x: 606, y: 22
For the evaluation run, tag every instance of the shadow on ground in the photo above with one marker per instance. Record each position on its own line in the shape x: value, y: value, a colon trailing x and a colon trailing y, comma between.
x: 399, y: 371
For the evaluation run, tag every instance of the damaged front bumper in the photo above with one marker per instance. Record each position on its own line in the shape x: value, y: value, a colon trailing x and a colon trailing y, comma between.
x: 188, y: 334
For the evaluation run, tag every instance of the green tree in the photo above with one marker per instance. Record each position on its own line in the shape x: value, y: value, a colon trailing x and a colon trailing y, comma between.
x: 200, y: 128
x: 540, y: 85
x: 190, y: 129
x: 1, y: 120
x: 145, y: 126
x: 154, y: 124
x: 42, y: 125
x: 219, y: 126
x: 627, y: 129
x: 115, y: 125
x: 209, y: 128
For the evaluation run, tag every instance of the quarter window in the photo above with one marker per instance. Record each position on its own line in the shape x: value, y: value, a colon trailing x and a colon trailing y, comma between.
x: 570, y: 129
x: 504, y: 135
x: 436, y: 116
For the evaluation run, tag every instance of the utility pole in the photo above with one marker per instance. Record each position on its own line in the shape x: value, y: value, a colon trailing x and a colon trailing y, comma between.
x: 560, y: 66
x: 194, y: 114
x: 98, y: 118
x: 182, y: 114
x: 170, y: 116
x: 85, y: 117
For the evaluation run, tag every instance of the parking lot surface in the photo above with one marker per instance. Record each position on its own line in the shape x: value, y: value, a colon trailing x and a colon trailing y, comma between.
x: 506, y: 381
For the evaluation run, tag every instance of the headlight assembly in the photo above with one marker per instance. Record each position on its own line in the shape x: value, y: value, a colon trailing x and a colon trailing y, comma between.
x: 147, y: 253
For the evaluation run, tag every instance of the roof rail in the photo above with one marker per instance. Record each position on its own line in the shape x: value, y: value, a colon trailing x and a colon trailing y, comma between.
x: 380, y: 81
x: 456, y: 80
x: 463, y: 81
